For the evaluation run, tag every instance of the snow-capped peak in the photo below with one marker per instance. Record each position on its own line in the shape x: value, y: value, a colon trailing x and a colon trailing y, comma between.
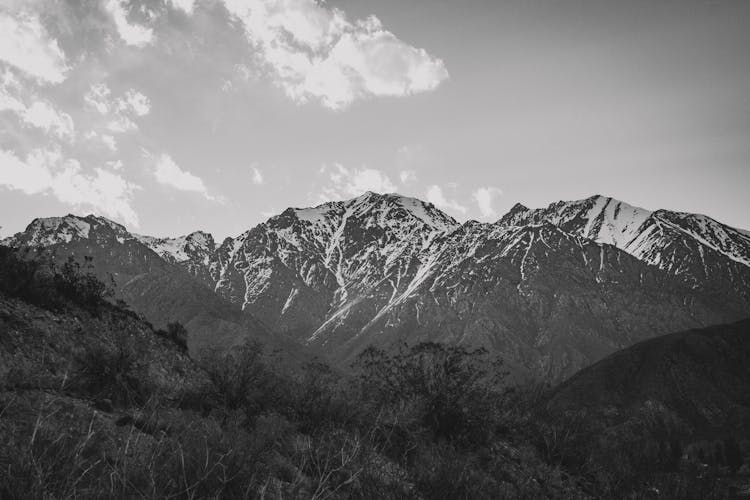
x: 731, y: 242
x: 382, y: 207
x: 198, y: 245
x: 662, y: 238
x: 599, y: 218
x: 48, y: 231
x: 613, y: 222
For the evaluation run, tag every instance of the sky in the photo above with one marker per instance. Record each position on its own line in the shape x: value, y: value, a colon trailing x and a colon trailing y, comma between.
x: 171, y: 116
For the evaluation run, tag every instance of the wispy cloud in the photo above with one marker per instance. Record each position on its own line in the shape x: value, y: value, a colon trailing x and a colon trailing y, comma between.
x: 39, y: 113
x: 186, y: 6
x: 131, y: 102
x: 407, y: 176
x: 47, y: 172
x: 135, y: 102
x: 106, y: 140
x: 257, y: 176
x: 436, y: 196
x: 315, y: 52
x: 26, y: 45
x: 484, y: 197
x: 342, y: 182
x: 132, y: 34
x: 121, y: 111
x: 168, y: 173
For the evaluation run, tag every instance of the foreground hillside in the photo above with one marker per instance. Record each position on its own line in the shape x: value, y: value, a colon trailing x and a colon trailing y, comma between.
x: 702, y: 376
x: 96, y: 403
x: 665, y: 410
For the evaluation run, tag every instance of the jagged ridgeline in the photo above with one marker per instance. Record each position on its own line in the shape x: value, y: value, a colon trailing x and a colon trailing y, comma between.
x: 551, y: 290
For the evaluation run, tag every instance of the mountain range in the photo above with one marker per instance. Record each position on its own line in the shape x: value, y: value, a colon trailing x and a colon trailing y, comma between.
x: 550, y: 290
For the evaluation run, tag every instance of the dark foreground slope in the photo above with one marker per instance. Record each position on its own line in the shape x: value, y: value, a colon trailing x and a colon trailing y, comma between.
x: 95, y: 403
x: 671, y: 413
x: 700, y: 377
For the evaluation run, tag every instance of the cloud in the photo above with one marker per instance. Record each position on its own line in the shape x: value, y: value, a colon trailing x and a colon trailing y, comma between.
x: 115, y: 164
x: 134, y: 102
x: 131, y: 34
x: 40, y: 114
x: 98, y: 97
x: 343, y: 182
x: 484, y: 197
x: 45, y: 171
x: 435, y: 196
x: 120, y: 111
x: 106, y: 140
x: 26, y: 45
x: 257, y: 176
x: 46, y: 117
x: 407, y: 176
x: 186, y: 6
x: 109, y: 141
x: 121, y: 124
x: 315, y: 52
x: 170, y: 174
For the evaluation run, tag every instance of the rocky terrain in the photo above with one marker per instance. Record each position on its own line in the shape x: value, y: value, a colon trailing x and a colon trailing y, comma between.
x: 700, y: 251
x: 104, y: 392
x: 551, y: 290
x: 160, y: 289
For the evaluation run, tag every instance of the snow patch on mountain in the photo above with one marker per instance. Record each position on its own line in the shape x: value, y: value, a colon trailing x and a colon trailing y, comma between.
x: 724, y: 239
x: 194, y: 246
x: 48, y: 231
x: 640, y: 232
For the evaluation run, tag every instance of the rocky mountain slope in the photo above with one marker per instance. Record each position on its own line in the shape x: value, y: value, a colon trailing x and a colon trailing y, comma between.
x: 160, y: 289
x: 194, y: 252
x: 380, y: 268
x: 700, y: 251
x: 551, y: 290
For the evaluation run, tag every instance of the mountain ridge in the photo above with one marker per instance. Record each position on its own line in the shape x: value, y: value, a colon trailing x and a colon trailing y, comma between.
x: 551, y: 289
x: 694, y: 247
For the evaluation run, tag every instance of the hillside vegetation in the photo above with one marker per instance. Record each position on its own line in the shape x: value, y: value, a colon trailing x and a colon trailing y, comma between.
x: 96, y: 403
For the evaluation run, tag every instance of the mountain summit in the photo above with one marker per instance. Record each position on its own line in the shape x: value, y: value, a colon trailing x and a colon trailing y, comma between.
x: 700, y: 251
